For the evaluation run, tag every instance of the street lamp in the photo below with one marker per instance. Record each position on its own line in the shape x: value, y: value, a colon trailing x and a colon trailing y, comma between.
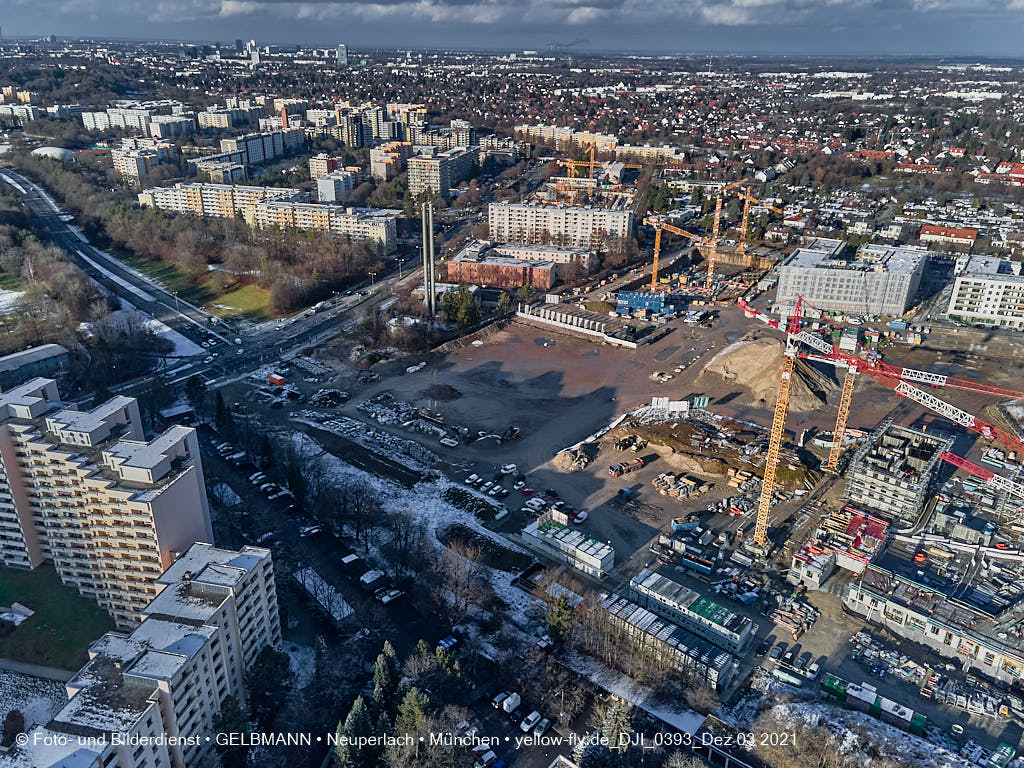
x: 372, y: 275
x: 177, y: 304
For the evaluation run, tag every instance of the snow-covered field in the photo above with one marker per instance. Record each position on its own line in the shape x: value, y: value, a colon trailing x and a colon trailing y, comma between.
x: 8, y: 299
x: 303, y: 664
x: 38, y: 699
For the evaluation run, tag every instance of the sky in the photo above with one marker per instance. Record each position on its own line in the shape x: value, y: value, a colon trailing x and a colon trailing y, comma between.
x: 972, y: 28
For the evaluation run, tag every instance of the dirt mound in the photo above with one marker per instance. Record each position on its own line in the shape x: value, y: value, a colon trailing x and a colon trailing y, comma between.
x: 753, y: 364
x: 563, y: 461
x: 441, y: 392
x: 698, y: 465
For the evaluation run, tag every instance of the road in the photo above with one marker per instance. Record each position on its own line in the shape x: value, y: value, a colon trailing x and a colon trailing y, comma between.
x: 223, y: 358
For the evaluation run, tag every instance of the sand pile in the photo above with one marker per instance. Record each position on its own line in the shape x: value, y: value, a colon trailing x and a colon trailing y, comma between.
x: 753, y: 364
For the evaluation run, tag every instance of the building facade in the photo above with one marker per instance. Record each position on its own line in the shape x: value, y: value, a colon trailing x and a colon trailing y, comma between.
x: 212, y: 200
x: 440, y: 172
x: 331, y: 187
x: 877, y: 280
x: 44, y: 360
x: 988, y: 291
x: 564, y: 225
x: 85, y: 491
x: 160, y: 687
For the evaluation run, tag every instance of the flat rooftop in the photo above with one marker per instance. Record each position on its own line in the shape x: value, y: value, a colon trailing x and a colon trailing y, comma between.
x: 868, y: 258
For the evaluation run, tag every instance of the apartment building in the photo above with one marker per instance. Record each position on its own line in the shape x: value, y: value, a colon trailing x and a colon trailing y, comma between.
x: 322, y: 164
x: 262, y: 147
x: 159, y: 688
x: 877, y: 280
x: 23, y: 113
x: 370, y: 224
x: 85, y: 491
x: 389, y: 160
x: 566, y: 138
x: 166, y: 126
x: 565, y: 225
x: 213, y: 200
x: 230, y: 117
x: 129, y: 115
x: 137, y: 156
x: 439, y: 172
x: 705, y: 618
x: 988, y: 291
x: 331, y: 187
x: 44, y: 360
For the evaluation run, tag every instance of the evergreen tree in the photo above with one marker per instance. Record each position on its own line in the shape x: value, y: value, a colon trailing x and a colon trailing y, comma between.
x: 617, y: 728
x: 385, y: 686
x: 266, y: 451
x: 357, y: 726
x: 220, y: 412
x: 232, y: 719
x: 412, y: 712
x: 559, y: 619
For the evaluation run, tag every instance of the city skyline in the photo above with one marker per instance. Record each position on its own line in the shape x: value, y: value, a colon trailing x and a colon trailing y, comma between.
x: 757, y: 27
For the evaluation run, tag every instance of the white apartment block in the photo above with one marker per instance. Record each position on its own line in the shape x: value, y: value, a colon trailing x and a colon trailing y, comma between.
x: 262, y: 147
x: 440, y: 172
x: 330, y: 187
x: 214, y: 200
x: 165, y: 126
x: 573, y: 226
x: 988, y: 291
x: 136, y: 157
x: 85, y: 491
x: 159, y: 688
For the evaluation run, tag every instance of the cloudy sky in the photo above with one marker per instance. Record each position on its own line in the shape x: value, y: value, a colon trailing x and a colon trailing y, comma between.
x: 953, y: 27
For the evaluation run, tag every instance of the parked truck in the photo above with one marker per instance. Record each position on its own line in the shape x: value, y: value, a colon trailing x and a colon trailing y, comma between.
x: 615, y: 470
x: 372, y: 580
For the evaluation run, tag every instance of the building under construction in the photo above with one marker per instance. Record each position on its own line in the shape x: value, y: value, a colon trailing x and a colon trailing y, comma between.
x: 891, y: 474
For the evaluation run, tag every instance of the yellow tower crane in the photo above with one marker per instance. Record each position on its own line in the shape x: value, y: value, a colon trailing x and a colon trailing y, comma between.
x: 745, y: 224
x: 572, y: 170
x: 771, y: 463
x: 716, y: 228
x: 839, y: 435
x: 658, y: 226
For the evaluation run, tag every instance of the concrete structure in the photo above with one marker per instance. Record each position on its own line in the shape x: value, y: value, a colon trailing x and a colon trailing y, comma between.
x: 878, y: 280
x: 988, y: 291
x: 213, y: 200
x: 44, y: 360
x: 891, y: 473
x: 86, y: 491
x: 570, y: 546
x: 331, y: 187
x: 974, y: 639
x: 666, y: 642
x: 149, y: 699
x: 846, y: 538
x: 220, y: 171
x: 678, y: 603
x: 230, y: 117
x: 342, y: 55
x: 440, y: 172
x: 23, y: 113
x: 564, y: 225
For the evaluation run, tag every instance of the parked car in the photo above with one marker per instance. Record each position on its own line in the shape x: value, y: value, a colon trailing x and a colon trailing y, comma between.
x: 494, y: 491
x: 579, y: 516
x: 486, y: 486
x: 762, y: 649
x: 803, y: 661
x: 542, y: 727
x: 529, y: 721
x: 386, y: 596
x: 472, y: 479
x: 776, y: 653
x: 519, y: 485
x: 508, y: 469
x: 310, y: 530
x: 813, y: 670
x: 498, y: 700
x: 486, y: 760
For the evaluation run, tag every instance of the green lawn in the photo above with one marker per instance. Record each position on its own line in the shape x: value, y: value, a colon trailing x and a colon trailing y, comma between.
x: 250, y: 301
x: 9, y: 282
x: 63, y: 627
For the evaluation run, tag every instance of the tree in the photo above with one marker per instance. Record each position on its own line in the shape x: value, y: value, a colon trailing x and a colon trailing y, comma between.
x: 412, y: 712
x: 385, y: 685
x: 195, y: 392
x: 231, y: 719
x: 14, y: 724
x: 267, y: 683
x: 503, y: 301
x: 617, y: 728
x: 266, y: 452
x: 220, y: 412
x: 351, y: 751
x: 559, y: 619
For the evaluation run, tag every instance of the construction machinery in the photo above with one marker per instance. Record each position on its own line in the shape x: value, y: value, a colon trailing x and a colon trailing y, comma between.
x: 572, y: 171
x: 748, y: 198
x: 658, y: 227
x: 716, y: 228
x: 897, y: 379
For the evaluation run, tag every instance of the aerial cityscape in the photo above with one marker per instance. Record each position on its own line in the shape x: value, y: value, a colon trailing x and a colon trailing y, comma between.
x: 512, y: 403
